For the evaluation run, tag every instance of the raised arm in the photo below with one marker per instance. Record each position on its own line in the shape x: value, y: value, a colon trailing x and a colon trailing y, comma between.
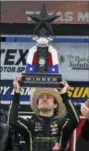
x: 71, y: 120
x: 14, y: 106
x: 13, y: 120
x: 71, y: 109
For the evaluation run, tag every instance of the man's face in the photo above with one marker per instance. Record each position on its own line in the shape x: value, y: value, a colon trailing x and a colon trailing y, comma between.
x: 46, y: 102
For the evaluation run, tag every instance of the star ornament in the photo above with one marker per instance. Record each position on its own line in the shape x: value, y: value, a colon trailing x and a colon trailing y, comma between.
x: 43, y: 21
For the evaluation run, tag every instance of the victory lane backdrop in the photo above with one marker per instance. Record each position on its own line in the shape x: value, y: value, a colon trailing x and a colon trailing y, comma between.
x: 73, y: 53
x: 79, y: 92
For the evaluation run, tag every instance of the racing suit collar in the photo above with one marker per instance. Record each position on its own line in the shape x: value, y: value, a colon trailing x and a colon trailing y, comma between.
x: 46, y: 118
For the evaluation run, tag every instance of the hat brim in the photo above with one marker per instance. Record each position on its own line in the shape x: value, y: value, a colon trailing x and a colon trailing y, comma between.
x: 35, y: 94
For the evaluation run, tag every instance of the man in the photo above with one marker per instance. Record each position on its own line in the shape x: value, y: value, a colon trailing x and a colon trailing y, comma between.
x: 5, y: 131
x: 85, y: 112
x: 82, y: 131
x: 55, y: 119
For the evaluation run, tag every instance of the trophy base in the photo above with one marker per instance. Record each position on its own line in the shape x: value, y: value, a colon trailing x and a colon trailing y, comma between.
x: 43, y: 80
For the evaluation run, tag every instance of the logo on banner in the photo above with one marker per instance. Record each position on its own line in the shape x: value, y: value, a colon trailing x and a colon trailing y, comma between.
x: 5, y: 90
x: 13, y: 60
x: 66, y: 16
x: 74, y: 92
x: 77, y: 92
x: 76, y: 62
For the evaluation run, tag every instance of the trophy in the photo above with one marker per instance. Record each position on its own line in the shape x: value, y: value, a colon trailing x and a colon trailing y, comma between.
x: 42, y: 67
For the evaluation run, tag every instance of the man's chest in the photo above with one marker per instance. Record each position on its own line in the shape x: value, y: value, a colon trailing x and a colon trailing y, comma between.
x: 47, y: 129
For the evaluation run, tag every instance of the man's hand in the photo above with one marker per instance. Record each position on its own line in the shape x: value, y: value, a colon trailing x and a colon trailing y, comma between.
x: 85, y: 109
x: 16, y: 84
x: 65, y: 87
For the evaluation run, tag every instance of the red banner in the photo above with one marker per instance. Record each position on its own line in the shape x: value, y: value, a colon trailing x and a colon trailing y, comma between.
x: 70, y: 12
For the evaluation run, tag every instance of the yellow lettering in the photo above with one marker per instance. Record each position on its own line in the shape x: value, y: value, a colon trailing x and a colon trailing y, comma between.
x: 86, y: 93
x: 78, y: 92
